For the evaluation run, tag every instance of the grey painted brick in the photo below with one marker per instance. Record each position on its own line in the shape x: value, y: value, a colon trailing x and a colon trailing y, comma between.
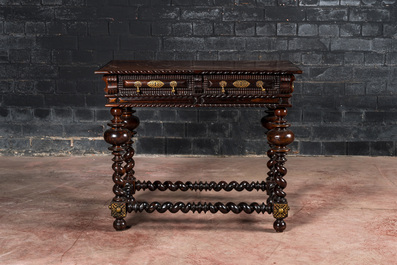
x: 203, y: 29
x: 174, y: 129
x: 178, y: 146
x: 139, y: 43
x: 140, y: 28
x: 350, y: 44
x: 21, y: 114
x: 29, y: 13
x: 322, y: 14
x: 266, y: 29
x: 383, y: 44
x: 223, y: 43
x: 310, y: 148
x: 150, y: 145
x: 97, y: 28
x: 58, y: 42
x: 334, y: 148
x: 14, y: 27
x: 52, y: 2
x: 183, y: 44
x: 224, y: 28
x: 369, y: 14
x: 389, y: 30
x: 382, y: 148
x: 370, y: 29
x: 159, y: 12
x: 84, y: 115
x: 354, y: 58
x: 19, y: 56
x: 355, y: 88
x: 118, y: 27
x: 240, y: 13
x: 245, y: 28
x: 196, y: 130
x: 307, y: 30
x: 303, y: 44
x: 329, y: 3
x: 207, y: 56
x: 333, y: 58
x: 266, y: 3
x: 357, y: 148
x: 286, y: 29
x: 35, y: 28
x: 182, y: 29
x: 165, y: 56
x: 282, y: 14
x: 81, y: 28
x: 266, y: 44
x: 350, y: 2
x: 328, y: 30
x: 287, y: 3
x: 309, y: 2
x: 374, y: 59
x: 331, y: 116
x: 42, y: 114
x: 205, y: 146
x: 391, y: 58
x: 150, y: 129
x: 353, y: 116
x: 202, y: 13
x: 387, y: 102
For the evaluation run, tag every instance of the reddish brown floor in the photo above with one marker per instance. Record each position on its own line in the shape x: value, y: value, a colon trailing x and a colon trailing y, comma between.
x: 54, y: 211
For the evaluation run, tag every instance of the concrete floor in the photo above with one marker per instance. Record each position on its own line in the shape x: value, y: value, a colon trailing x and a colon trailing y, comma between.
x: 54, y: 211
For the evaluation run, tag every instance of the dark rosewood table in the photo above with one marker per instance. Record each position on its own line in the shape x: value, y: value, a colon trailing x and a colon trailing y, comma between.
x: 132, y: 84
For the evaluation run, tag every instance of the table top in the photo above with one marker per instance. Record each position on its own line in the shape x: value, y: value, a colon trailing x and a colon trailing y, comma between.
x: 198, y: 67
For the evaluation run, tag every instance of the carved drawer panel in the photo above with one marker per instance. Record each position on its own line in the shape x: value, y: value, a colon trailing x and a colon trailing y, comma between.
x: 259, y: 85
x: 131, y: 85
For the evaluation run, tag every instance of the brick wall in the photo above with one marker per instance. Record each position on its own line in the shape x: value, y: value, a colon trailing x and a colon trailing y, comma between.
x: 51, y: 102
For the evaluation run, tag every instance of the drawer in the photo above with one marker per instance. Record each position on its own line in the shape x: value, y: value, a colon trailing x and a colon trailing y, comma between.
x: 241, y: 85
x: 155, y: 85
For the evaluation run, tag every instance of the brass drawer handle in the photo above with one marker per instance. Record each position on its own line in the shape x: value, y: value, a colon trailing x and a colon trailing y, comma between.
x: 260, y: 84
x: 138, y: 84
x: 223, y: 84
x: 173, y: 84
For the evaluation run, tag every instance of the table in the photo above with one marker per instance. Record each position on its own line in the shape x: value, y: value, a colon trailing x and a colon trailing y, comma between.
x: 132, y: 84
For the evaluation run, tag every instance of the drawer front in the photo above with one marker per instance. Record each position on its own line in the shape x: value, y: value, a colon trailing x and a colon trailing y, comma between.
x: 259, y: 85
x: 155, y: 85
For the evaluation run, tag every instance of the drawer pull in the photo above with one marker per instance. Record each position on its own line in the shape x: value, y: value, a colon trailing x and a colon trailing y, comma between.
x: 155, y: 84
x: 241, y: 83
x: 223, y: 84
x: 138, y: 84
x: 173, y: 84
x: 260, y: 84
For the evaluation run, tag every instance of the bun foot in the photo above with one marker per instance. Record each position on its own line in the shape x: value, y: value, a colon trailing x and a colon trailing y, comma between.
x: 119, y: 224
x: 279, y: 225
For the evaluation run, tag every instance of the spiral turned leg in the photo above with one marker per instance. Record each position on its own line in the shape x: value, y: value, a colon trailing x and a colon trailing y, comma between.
x: 131, y: 122
x: 267, y: 122
x: 117, y: 136
x: 279, y: 137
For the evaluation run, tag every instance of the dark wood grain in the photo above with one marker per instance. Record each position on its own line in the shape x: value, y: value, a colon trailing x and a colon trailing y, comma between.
x: 199, y: 67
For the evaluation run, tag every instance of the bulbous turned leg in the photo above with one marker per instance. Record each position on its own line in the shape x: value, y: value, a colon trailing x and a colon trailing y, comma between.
x: 117, y: 136
x: 279, y: 137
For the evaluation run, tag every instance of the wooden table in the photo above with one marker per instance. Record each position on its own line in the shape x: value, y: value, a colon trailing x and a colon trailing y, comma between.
x: 131, y: 84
